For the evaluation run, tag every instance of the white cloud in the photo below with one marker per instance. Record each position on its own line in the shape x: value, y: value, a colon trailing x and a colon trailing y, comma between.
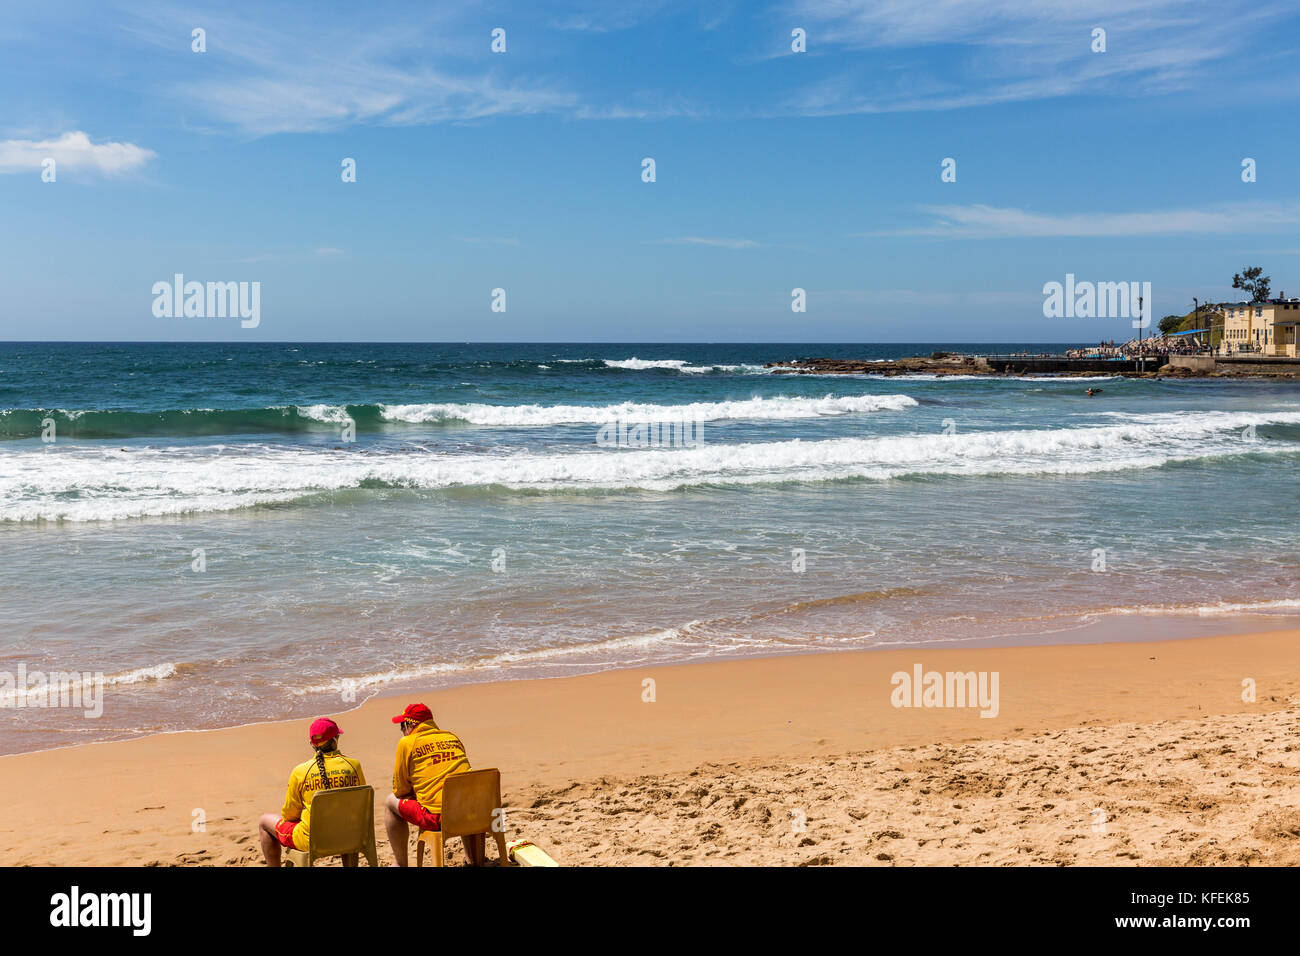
x: 905, y: 23
x: 986, y: 52
x: 72, y: 151
x: 600, y: 16
x: 263, y: 78
x: 301, y: 98
x: 707, y: 241
x: 993, y: 222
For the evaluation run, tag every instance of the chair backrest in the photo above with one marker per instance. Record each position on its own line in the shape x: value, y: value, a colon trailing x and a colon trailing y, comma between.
x: 468, y: 801
x: 342, y: 820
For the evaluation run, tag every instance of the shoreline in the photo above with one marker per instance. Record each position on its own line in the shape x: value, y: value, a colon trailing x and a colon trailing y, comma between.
x: 555, y: 739
x: 1089, y: 628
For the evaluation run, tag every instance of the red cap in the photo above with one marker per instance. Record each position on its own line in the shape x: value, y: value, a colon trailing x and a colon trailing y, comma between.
x: 323, y: 729
x: 415, y: 713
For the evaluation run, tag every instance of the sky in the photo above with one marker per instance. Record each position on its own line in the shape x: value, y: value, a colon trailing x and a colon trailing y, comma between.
x: 522, y: 168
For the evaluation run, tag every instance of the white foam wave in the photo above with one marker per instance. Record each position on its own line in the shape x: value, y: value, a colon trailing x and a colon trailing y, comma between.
x: 79, y: 484
x: 1206, y: 610
x: 333, y: 414
x: 75, y: 683
x: 748, y: 369
x: 775, y: 408
x: 680, y: 365
x: 638, y: 365
x: 539, y: 656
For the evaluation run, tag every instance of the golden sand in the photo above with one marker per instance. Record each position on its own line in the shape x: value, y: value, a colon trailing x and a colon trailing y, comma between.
x: 1128, y: 753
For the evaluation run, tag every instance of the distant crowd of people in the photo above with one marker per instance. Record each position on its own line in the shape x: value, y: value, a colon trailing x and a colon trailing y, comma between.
x: 1146, y: 348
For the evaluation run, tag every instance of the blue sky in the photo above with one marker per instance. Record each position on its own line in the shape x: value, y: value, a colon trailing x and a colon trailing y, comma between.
x: 522, y: 170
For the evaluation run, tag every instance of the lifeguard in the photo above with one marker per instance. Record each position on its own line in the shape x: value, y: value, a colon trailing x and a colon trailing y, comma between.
x: 426, y: 756
x: 327, y: 770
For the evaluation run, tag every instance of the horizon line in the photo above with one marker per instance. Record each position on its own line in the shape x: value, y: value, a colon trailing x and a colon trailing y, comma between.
x: 502, y: 342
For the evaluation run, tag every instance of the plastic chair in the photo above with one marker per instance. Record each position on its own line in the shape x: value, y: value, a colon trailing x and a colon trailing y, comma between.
x: 469, y: 804
x: 342, y: 824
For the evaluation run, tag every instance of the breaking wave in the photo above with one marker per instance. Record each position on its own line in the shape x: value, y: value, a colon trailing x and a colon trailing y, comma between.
x: 200, y: 422
x: 76, y: 483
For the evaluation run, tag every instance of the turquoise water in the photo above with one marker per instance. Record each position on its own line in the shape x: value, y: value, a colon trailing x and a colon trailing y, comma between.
x: 479, y: 527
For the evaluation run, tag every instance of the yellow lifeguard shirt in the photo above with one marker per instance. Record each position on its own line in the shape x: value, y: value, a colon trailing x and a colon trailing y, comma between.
x: 305, y: 782
x: 425, y: 758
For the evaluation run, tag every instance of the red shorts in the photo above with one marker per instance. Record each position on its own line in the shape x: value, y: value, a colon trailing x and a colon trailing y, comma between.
x: 284, y: 833
x: 412, y: 812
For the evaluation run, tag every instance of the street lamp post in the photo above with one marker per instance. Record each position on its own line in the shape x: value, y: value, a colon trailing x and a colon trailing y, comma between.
x: 1142, y: 359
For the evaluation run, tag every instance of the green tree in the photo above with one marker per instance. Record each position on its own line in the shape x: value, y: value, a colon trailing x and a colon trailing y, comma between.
x: 1253, y: 281
x: 1170, y: 323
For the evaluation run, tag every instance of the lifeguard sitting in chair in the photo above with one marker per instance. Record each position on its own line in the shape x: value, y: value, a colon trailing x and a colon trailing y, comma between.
x: 426, y: 756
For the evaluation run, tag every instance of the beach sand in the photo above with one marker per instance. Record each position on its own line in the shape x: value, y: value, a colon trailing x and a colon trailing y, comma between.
x: 1120, y: 753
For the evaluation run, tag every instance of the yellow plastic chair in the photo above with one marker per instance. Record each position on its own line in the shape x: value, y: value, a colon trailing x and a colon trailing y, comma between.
x: 342, y: 824
x: 469, y: 800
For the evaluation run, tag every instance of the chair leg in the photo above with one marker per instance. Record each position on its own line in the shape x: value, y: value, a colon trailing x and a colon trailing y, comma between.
x: 419, y: 852
x: 350, y: 859
x: 503, y: 858
x: 478, y: 855
x: 438, y: 849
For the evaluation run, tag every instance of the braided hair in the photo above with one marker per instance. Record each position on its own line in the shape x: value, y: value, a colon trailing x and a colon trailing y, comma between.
x: 320, y: 761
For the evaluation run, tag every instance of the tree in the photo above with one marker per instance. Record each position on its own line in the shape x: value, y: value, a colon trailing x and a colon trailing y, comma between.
x: 1252, y: 281
x: 1170, y: 323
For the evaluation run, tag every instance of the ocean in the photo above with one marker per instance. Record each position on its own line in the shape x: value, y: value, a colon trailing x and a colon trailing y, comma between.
x: 231, y: 533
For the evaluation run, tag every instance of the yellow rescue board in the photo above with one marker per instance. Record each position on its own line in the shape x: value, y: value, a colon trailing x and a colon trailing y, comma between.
x: 524, y: 853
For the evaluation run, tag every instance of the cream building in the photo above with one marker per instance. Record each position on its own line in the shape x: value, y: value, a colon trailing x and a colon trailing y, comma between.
x: 1260, y: 328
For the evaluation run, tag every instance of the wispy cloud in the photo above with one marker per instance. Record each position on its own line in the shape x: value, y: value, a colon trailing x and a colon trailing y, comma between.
x: 260, y: 78
x: 904, y: 23
x: 993, y: 222
x: 987, y: 52
x: 600, y: 16
x: 721, y: 243
x: 73, y: 151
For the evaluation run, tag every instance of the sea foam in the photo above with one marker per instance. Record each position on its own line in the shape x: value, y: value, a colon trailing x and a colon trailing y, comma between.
x: 76, y: 483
